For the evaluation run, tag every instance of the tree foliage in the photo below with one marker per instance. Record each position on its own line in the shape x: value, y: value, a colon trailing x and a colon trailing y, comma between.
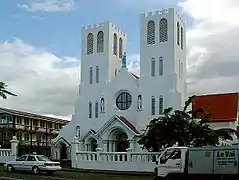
x: 4, y: 92
x: 184, y: 128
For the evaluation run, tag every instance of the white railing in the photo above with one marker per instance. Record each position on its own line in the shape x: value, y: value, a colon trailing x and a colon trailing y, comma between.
x: 116, y: 161
x: 5, y: 155
x: 9, y: 154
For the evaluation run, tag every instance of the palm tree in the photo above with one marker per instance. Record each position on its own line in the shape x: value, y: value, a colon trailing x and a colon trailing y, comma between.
x: 4, y: 92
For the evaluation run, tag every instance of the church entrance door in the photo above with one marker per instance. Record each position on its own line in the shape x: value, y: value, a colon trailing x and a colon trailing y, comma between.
x: 63, y: 151
x: 122, y: 142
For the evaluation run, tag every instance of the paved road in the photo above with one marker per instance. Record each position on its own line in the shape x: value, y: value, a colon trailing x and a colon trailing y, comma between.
x: 70, y: 176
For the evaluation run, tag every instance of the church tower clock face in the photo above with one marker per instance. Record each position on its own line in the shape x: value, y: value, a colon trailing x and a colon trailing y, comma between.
x: 124, y: 101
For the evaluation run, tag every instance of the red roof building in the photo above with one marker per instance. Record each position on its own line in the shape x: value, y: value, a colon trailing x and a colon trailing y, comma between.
x: 224, y: 107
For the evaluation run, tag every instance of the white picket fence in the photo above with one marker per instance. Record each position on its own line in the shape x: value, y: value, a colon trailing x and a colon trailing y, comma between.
x: 113, y: 161
x: 9, y: 154
x: 5, y: 155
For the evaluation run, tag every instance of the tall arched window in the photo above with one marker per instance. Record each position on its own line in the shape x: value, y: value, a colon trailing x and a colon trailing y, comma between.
x: 115, y: 44
x: 90, y: 43
x: 78, y: 131
x: 151, y: 32
x: 182, y: 38
x: 163, y: 30
x: 96, y: 109
x: 91, y: 75
x: 153, y: 105
x: 152, y: 67
x: 115, y: 72
x: 160, y: 66
x: 97, y: 78
x: 178, y: 34
x: 120, y: 47
x: 160, y: 104
x: 90, y: 109
x: 102, y: 105
x: 100, y: 41
x: 139, y: 102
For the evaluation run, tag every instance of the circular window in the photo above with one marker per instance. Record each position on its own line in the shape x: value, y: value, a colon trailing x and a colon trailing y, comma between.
x: 123, y: 101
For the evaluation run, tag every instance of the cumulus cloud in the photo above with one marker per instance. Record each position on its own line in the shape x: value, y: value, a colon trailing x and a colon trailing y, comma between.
x: 45, y: 83
x: 212, y: 41
x: 48, y: 5
x: 213, y: 57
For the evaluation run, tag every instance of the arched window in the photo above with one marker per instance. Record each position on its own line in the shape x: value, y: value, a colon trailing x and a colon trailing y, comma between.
x: 102, y: 105
x: 97, y: 79
x: 178, y: 33
x: 115, y: 43
x: 91, y: 75
x: 153, y: 105
x: 100, y: 41
x: 90, y: 44
x: 90, y: 109
x: 160, y: 104
x: 160, y: 66
x: 120, y: 47
x: 78, y: 131
x: 139, y: 102
x: 115, y: 72
x: 151, y: 32
x: 152, y: 67
x: 182, y: 38
x: 96, y: 109
x: 163, y: 30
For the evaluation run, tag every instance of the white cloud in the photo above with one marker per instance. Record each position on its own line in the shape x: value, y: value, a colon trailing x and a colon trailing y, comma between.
x: 213, y: 57
x: 212, y: 42
x: 48, y: 5
x: 42, y: 85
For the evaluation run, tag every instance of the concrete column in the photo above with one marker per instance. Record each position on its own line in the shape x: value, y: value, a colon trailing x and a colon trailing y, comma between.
x: 105, y: 145
x: 132, y: 144
x: 81, y: 146
x: 129, y: 151
x: 98, y: 150
x: 74, y: 150
x: 14, y: 146
x: 110, y: 146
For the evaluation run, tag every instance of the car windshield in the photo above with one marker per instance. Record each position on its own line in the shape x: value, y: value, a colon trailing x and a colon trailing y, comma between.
x: 43, y: 158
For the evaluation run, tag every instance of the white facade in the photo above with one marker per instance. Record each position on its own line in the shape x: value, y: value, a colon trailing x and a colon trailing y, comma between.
x: 102, y: 118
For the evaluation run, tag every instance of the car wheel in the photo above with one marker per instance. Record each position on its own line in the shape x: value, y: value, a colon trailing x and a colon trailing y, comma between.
x: 35, y: 170
x: 10, y: 168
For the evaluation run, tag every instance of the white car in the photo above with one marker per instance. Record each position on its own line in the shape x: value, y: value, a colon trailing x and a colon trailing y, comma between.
x: 33, y: 163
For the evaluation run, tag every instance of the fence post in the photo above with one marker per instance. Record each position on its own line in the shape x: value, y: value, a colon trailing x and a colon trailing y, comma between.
x: 14, y: 145
x: 98, y: 150
x: 129, y: 151
x: 74, y: 150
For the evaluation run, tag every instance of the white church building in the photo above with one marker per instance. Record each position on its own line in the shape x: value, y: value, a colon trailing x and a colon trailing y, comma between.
x: 114, y: 105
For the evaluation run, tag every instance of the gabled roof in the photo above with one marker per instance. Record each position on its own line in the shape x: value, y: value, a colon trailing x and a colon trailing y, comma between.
x: 91, y: 131
x: 63, y: 139
x: 128, y: 124
x: 135, y: 76
x: 124, y: 121
x: 33, y: 116
x: 224, y: 107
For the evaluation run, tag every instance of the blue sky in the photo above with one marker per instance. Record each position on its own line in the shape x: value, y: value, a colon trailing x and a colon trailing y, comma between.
x: 40, y: 46
x: 59, y: 31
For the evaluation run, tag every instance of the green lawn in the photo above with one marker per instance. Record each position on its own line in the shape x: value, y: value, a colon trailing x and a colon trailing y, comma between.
x: 63, y: 175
